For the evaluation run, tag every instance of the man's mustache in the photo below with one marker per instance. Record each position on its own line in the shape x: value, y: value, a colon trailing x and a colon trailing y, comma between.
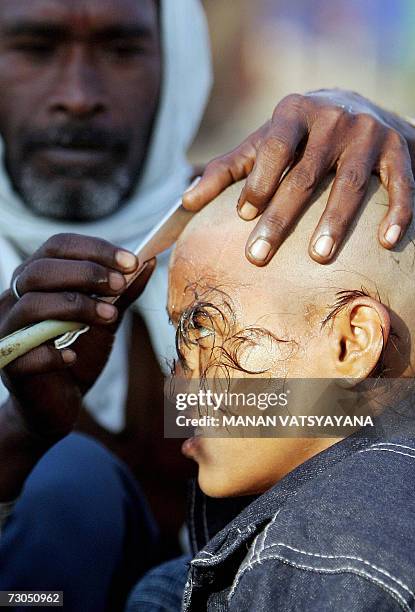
x: 76, y: 137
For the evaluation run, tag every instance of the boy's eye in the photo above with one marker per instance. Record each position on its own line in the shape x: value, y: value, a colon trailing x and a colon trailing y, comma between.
x: 201, y: 330
x: 204, y: 332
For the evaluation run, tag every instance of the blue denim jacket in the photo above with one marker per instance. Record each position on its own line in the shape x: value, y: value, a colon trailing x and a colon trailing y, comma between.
x: 336, y: 534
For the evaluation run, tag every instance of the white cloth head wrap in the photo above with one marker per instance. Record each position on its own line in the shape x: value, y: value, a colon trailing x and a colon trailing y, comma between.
x: 185, y: 88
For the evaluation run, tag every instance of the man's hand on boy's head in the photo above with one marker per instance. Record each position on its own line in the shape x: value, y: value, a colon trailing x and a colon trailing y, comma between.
x: 57, y: 282
x: 287, y: 158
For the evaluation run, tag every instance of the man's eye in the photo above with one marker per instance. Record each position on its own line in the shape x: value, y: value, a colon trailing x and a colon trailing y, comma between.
x: 126, y: 50
x: 35, y: 48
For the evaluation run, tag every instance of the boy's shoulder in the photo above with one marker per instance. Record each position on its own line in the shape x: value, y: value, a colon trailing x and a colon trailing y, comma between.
x: 352, y: 523
x: 368, y: 498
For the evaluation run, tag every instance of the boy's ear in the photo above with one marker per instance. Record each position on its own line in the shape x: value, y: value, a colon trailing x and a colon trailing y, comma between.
x: 359, y: 334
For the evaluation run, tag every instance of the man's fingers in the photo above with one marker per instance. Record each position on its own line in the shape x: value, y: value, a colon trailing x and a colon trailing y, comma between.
x: 42, y: 360
x: 219, y: 174
x: 69, y: 275
x: 397, y: 177
x: 347, y: 194
x: 275, y: 155
x: 137, y: 287
x: 75, y: 246
x: 224, y: 171
x: 289, y: 202
x: 67, y: 306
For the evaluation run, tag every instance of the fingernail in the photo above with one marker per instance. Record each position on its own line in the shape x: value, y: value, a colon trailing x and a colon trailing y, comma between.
x: 68, y: 356
x: 106, y: 311
x: 324, y: 246
x: 116, y: 281
x: 392, y: 234
x: 248, y: 211
x: 193, y: 184
x: 260, y: 249
x: 126, y: 260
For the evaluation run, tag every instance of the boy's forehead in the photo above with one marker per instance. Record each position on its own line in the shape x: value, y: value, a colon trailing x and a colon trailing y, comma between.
x: 201, y: 272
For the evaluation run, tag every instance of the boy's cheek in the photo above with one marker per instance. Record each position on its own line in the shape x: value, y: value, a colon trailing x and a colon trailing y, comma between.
x: 230, y: 467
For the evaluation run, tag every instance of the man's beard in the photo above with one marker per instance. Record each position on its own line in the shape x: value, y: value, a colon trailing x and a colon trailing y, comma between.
x: 90, y: 200
x: 74, y: 193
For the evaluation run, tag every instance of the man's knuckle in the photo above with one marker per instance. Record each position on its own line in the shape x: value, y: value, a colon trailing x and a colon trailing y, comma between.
x: 92, y: 273
x: 275, y: 224
x: 354, y: 178
x: 396, y: 138
x: 333, y: 115
x: 335, y: 219
x: 403, y: 213
x: 29, y: 303
x: 52, y: 245
x: 33, y: 274
x: 60, y: 244
x: 238, y: 165
x: 103, y: 251
x: 293, y: 101
x: 24, y: 302
x: 275, y: 147
x: 256, y: 192
x: 303, y: 179
x: 216, y: 165
x: 73, y: 300
x: 405, y: 182
x: 368, y: 124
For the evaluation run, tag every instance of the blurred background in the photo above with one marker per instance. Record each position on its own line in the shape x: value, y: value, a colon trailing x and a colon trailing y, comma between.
x: 266, y: 49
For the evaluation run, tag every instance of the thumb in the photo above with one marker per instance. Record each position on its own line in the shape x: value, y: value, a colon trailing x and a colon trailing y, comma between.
x: 133, y: 292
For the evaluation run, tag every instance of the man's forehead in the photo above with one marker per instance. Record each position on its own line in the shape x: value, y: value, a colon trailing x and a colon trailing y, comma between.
x: 80, y: 14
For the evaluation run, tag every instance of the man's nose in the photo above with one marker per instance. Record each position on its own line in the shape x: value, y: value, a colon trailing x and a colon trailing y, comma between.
x: 78, y: 92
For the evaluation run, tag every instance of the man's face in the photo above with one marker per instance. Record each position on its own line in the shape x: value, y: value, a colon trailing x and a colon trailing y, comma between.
x: 79, y: 85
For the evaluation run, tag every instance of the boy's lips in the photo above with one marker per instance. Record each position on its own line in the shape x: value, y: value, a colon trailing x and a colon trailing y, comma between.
x: 191, y: 446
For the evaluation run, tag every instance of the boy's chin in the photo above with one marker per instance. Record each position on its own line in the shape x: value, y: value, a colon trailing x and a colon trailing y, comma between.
x: 219, y: 485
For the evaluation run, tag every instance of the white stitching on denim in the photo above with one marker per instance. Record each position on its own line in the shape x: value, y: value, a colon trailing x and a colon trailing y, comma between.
x: 197, y: 561
x: 350, y: 558
x: 187, y: 593
x: 387, y: 450
x: 391, y: 444
x: 252, y: 550
x: 248, y: 563
x: 392, y: 592
x: 265, y: 532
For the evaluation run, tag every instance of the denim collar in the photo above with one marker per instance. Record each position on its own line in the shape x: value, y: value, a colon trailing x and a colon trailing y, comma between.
x: 220, y: 555
x: 218, y: 560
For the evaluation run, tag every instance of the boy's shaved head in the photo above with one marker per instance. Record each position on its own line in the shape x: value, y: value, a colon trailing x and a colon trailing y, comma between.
x: 211, y: 253
x: 293, y: 318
